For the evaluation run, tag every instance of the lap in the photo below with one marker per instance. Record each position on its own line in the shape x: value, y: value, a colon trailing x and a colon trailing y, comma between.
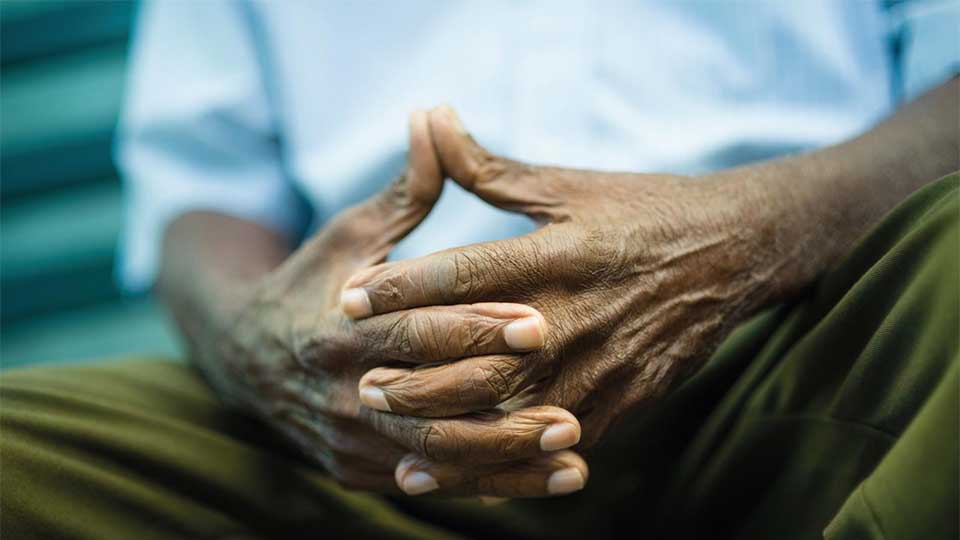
x: 841, y: 397
x: 811, y: 414
x: 143, y: 449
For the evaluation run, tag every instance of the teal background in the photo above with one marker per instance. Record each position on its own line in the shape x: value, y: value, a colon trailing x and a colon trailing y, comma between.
x: 62, y: 69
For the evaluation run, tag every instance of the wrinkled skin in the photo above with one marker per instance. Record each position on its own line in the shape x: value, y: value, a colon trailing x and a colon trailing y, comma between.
x: 637, y: 277
x: 623, y: 293
x: 294, y: 358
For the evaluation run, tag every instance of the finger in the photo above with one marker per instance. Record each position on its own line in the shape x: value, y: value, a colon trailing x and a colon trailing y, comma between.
x: 369, y: 230
x: 358, y: 464
x: 361, y: 480
x: 438, y: 333
x: 357, y: 447
x: 454, y: 276
x: 486, y: 437
x: 502, y: 182
x: 455, y: 388
x: 505, y: 270
x: 558, y: 473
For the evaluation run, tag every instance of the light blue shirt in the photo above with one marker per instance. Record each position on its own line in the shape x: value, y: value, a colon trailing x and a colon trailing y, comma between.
x: 285, y: 112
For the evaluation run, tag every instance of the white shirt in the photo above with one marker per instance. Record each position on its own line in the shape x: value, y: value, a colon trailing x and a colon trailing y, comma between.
x: 252, y: 109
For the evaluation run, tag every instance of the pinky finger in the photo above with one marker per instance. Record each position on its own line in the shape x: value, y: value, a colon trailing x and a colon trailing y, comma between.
x: 557, y: 473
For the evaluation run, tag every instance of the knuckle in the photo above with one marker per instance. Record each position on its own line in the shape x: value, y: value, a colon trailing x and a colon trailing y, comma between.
x: 477, y: 270
x: 406, y: 399
x: 343, y: 229
x: 398, y: 335
x: 438, y: 443
x: 466, y: 270
x: 487, y: 167
x: 356, y: 223
x: 603, y: 257
x: 320, y: 346
x: 425, y: 337
x: 517, y: 442
x: 388, y: 288
x: 420, y: 336
x: 537, y: 261
x: 395, y: 196
x: 393, y: 380
x: 489, y: 385
x: 477, y: 334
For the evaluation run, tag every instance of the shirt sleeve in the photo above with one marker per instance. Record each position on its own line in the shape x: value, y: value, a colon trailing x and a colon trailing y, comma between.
x: 929, y: 49
x: 197, y: 131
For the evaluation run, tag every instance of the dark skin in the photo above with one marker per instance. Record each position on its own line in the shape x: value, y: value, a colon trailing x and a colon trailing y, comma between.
x: 626, y: 290
x: 264, y: 326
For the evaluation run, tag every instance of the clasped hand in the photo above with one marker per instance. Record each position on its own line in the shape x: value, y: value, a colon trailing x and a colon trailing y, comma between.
x: 477, y: 370
x: 633, y: 279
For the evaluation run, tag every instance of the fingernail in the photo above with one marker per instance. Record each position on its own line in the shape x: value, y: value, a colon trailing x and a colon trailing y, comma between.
x: 403, y: 466
x: 524, y: 334
x: 559, y: 436
x: 565, y: 481
x: 356, y: 303
x: 373, y: 397
x: 419, y: 482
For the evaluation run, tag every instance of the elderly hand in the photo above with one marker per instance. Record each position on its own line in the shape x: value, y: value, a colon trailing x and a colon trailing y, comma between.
x: 637, y: 278
x: 294, y: 358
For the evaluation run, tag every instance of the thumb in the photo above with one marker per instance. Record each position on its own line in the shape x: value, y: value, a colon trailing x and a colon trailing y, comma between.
x: 504, y: 183
x: 371, y: 229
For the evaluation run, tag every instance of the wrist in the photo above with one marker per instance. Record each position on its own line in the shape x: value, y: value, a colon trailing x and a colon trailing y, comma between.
x: 207, y: 309
x: 790, y: 233
x: 221, y: 345
x: 738, y: 216
x: 718, y: 234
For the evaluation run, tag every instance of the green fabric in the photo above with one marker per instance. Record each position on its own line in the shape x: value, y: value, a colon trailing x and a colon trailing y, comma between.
x: 835, y: 416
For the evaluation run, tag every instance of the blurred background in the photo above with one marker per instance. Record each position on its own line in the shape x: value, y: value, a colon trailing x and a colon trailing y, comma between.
x: 62, y: 70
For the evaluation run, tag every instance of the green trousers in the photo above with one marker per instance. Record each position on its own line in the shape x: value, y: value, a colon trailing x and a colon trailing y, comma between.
x: 835, y: 416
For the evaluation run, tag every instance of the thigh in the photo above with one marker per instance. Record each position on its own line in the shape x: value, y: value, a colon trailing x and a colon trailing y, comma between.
x: 835, y: 394
x: 912, y: 493
x: 143, y: 449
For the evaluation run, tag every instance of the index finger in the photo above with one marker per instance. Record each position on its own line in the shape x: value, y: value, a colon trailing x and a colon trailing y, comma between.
x: 505, y: 270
